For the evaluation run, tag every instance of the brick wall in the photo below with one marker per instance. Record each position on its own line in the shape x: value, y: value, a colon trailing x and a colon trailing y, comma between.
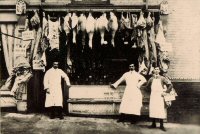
x: 186, y: 109
x: 183, y: 30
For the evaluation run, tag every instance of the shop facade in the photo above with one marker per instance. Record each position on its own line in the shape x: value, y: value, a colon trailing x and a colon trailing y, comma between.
x: 95, y: 59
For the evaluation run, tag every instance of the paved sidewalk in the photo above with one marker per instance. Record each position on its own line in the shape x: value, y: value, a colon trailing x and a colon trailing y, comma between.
x: 15, y: 123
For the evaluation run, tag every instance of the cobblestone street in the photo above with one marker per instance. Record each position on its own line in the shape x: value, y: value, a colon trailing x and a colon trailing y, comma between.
x: 41, y: 124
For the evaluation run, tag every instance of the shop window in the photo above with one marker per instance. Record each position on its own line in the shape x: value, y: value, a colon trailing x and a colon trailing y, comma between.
x: 103, y: 63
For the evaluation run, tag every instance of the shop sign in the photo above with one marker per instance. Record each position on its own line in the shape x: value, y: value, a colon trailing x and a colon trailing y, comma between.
x: 38, y: 64
x: 27, y: 35
x: 26, y: 43
x: 20, y: 51
x: 101, y: 92
x: 164, y: 9
x: 20, y: 7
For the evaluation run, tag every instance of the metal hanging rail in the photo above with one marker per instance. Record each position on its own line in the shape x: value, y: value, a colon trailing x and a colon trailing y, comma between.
x: 85, y: 7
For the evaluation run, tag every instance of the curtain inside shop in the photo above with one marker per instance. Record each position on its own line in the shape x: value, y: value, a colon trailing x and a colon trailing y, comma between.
x: 8, y: 44
x: 3, y: 69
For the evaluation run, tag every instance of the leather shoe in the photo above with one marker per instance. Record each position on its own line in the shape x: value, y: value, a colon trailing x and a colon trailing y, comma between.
x: 61, y: 117
x: 163, y: 129
x: 120, y: 120
x: 152, y: 126
x: 52, y: 117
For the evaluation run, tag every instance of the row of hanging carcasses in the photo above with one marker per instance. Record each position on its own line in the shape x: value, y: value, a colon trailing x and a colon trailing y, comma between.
x: 142, y: 32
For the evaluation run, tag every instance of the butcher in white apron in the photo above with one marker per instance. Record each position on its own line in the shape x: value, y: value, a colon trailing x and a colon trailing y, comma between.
x: 132, y: 99
x: 52, y: 85
x: 157, y: 109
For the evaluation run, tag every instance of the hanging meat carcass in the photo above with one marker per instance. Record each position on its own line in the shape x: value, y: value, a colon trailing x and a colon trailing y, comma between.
x: 149, y: 21
x: 82, y: 22
x: 67, y: 29
x: 160, y: 38
x: 102, y: 24
x: 142, y: 67
x: 96, y: 24
x: 134, y: 31
x: 163, y: 49
x: 38, y: 38
x: 164, y: 61
x: 35, y: 20
x: 74, y: 26
x: 66, y: 25
x: 151, y: 40
x: 142, y: 40
x: 45, y: 26
x: 141, y: 23
x: 146, y: 48
x: 113, y: 26
x: 90, y: 26
x: 127, y: 21
x: 121, y: 22
x: 54, y: 32
x: 82, y: 27
x: 133, y: 21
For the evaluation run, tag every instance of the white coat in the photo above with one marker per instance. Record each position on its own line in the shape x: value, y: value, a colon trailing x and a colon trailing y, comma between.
x: 132, y: 99
x: 52, y: 81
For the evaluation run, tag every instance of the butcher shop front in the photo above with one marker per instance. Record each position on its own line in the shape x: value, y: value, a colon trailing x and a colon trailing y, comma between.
x: 94, y: 41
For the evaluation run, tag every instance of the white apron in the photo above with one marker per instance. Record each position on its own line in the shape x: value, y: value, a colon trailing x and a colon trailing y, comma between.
x: 132, y: 99
x: 157, y: 105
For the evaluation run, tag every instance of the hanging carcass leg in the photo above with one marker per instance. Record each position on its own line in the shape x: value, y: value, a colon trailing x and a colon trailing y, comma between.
x: 82, y: 27
x: 113, y: 26
x: 146, y: 46
x: 74, y: 26
x: 90, y: 34
x: 90, y: 27
x: 102, y: 24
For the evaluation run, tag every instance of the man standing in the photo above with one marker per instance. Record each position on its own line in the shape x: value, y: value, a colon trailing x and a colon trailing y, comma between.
x: 52, y: 85
x: 132, y: 99
x: 157, y: 109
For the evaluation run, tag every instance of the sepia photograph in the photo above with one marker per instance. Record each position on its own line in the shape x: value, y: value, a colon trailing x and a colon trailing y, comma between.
x: 99, y: 66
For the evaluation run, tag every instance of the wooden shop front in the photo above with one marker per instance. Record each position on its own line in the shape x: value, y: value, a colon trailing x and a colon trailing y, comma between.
x: 91, y: 69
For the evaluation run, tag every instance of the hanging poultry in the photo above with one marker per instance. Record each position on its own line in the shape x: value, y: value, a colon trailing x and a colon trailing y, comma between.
x: 113, y: 26
x: 90, y: 26
x: 82, y: 22
x: 74, y: 26
x: 102, y: 24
